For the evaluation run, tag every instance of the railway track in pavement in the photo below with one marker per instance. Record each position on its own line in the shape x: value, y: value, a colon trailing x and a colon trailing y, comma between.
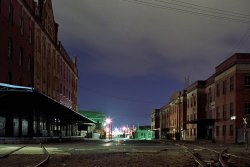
x: 207, y: 157
x: 32, y: 156
x: 202, y: 157
x: 233, y: 160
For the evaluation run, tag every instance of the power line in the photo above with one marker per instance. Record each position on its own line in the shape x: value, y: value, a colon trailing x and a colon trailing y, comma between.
x: 118, y: 97
x: 220, y: 10
x: 239, y: 44
x: 204, y: 9
x: 178, y: 10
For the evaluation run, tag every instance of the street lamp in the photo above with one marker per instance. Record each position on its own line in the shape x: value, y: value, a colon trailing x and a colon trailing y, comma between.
x: 124, y: 131
x: 109, y: 123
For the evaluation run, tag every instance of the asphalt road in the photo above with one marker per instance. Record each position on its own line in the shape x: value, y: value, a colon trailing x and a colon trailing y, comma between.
x: 109, y: 146
x: 120, y: 153
x: 117, y: 152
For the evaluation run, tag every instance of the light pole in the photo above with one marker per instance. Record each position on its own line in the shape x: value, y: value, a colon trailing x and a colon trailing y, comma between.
x: 109, y: 123
x: 124, y: 131
x: 245, y: 132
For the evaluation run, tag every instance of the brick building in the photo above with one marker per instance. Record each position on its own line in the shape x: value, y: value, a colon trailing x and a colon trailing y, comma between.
x: 196, y: 99
x: 232, y: 99
x: 173, y: 117
x: 210, y: 109
x: 215, y: 108
x: 55, y: 74
x: 164, y: 121
x: 155, y: 122
x: 31, y: 56
x: 16, y: 42
x: 183, y: 113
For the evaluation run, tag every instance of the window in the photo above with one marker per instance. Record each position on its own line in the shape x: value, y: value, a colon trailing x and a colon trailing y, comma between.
x: 218, y: 90
x: 191, y: 101
x: 21, y: 56
x: 217, y: 112
x: 209, y: 95
x: 9, y: 78
x: 64, y: 91
x: 20, y: 81
x: 231, y: 133
x: 30, y: 35
x: 224, y: 130
x: 247, y: 108
x: 10, y: 47
x: 247, y: 81
x: 194, y: 100
x: 231, y: 84
x: 61, y: 67
x: 29, y: 63
x: 64, y: 74
x: 224, y: 112
x: 224, y: 87
x: 67, y: 75
x: 194, y: 132
x: 61, y: 88
x: 231, y: 109
x: 21, y: 25
x: 0, y: 5
x: 39, y: 42
x: 142, y: 134
x: 187, y: 132
x: 10, y: 15
x: 217, y: 130
x: 57, y: 66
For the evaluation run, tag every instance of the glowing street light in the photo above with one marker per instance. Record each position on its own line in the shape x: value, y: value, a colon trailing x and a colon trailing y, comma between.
x: 108, y: 120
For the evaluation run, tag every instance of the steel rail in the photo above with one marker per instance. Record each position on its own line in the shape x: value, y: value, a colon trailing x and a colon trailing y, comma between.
x: 222, y: 162
x: 196, y: 159
x: 46, y: 159
x: 11, y: 152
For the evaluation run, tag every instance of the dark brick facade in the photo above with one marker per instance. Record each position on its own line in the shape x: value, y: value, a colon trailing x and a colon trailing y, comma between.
x: 31, y: 55
x: 17, y: 44
x: 214, y: 108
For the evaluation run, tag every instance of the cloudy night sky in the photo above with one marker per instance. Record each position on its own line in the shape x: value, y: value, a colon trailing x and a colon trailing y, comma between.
x: 133, y: 54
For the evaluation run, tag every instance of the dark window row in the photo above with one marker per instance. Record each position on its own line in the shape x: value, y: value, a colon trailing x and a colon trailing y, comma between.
x: 225, y: 110
x: 21, y: 54
x: 65, y: 92
x: 224, y: 86
x: 224, y: 130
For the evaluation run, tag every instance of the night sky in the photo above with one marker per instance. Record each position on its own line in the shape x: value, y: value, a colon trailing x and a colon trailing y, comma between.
x: 133, y: 54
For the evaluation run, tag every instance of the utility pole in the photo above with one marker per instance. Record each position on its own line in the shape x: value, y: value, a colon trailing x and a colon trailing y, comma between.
x: 245, y: 132
x: 187, y: 81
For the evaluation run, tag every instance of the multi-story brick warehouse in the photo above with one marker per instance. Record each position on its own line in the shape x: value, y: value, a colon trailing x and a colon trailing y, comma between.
x: 172, y: 117
x: 16, y: 42
x: 197, y: 120
x: 155, y: 120
x: 31, y: 55
x: 216, y: 107
x: 232, y: 98
x: 55, y: 74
